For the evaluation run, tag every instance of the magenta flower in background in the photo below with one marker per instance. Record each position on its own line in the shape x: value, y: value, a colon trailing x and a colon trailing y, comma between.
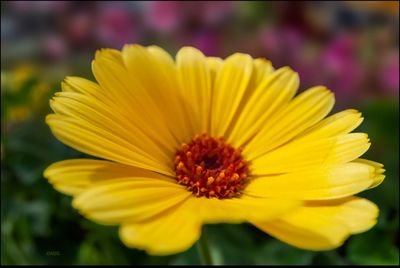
x: 215, y: 12
x: 206, y: 41
x: 283, y: 45
x: 289, y: 47
x: 389, y: 76
x: 198, y: 24
x: 170, y: 16
x: 115, y: 26
x: 335, y: 63
x: 54, y: 47
x: 79, y: 28
x: 105, y: 25
x: 162, y: 16
x: 341, y: 67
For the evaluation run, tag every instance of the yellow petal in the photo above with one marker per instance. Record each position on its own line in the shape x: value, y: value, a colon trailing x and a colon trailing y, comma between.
x: 112, y: 77
x: 320, y: 183
x: 95, y: 112
x: 261, y: 69
x: 118, y: 100
x: 83, y: 86
x: 111, y: 54
x: 171, y: 232
x: 272, y: 94
x: 303, y: 112
x: 323, y: 225
x: 154, y: 71
x: 378, y: 171
x: 214, y: 64
x: 73, y: 176
x: 195, y: 78
x: 298, y: 155
x: 337, y: 124
x: 241, y: 209
x: 229, y: 88
x: 91, y: 139
x: 133, y: 198
x: 132, y: 100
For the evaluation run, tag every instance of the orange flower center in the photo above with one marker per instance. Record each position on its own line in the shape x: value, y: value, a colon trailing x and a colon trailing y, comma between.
x: 210, y: 167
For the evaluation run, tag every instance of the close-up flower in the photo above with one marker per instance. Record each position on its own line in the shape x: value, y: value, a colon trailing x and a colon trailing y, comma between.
x: 195, y: 140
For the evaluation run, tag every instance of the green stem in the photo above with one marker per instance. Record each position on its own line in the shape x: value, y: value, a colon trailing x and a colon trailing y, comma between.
x: 204, y: 249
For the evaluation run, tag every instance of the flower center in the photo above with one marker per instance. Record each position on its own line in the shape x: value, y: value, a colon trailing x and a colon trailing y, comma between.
x: 210, y: 167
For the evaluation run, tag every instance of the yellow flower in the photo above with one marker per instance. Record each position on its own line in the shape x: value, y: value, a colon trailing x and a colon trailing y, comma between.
x: 204, y: 140
x: 23, y: 93
x: 21, y: 74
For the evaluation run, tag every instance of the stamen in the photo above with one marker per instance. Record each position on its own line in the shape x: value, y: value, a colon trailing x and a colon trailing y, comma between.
x: 210, y: 168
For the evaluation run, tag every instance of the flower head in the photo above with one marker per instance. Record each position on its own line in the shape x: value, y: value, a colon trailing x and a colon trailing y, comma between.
x: 200, y: 140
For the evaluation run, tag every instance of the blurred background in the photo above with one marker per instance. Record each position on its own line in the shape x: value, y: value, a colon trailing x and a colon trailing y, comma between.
x: 352, y: 47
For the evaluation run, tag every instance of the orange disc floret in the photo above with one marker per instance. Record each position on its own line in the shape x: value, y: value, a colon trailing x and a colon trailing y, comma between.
x: 210, y: 167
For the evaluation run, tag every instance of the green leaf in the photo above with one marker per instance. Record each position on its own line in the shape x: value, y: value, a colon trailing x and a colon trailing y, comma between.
x: 276, y: 252
x: 373, y: 248
x: 189, y: 257
x: 231, y: 244
x: 328, y: 258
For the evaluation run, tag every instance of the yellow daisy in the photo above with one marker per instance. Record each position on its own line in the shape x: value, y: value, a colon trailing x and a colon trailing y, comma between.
x: 200, y: 140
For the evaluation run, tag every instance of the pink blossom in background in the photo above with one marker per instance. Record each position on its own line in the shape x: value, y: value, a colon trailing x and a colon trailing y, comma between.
x: 79, y: 27
x: 115, y: 26
x: 288, y: 47
x: 271, y: 44
x: 342, y: 70
x: 282, y: 45
x: 206, y: 41
x: 170, y: 16
x: 389, y: 76
x: 54, y: 47
x: 217, y: 11
x: 334, y: 63
x: 162, y: 16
